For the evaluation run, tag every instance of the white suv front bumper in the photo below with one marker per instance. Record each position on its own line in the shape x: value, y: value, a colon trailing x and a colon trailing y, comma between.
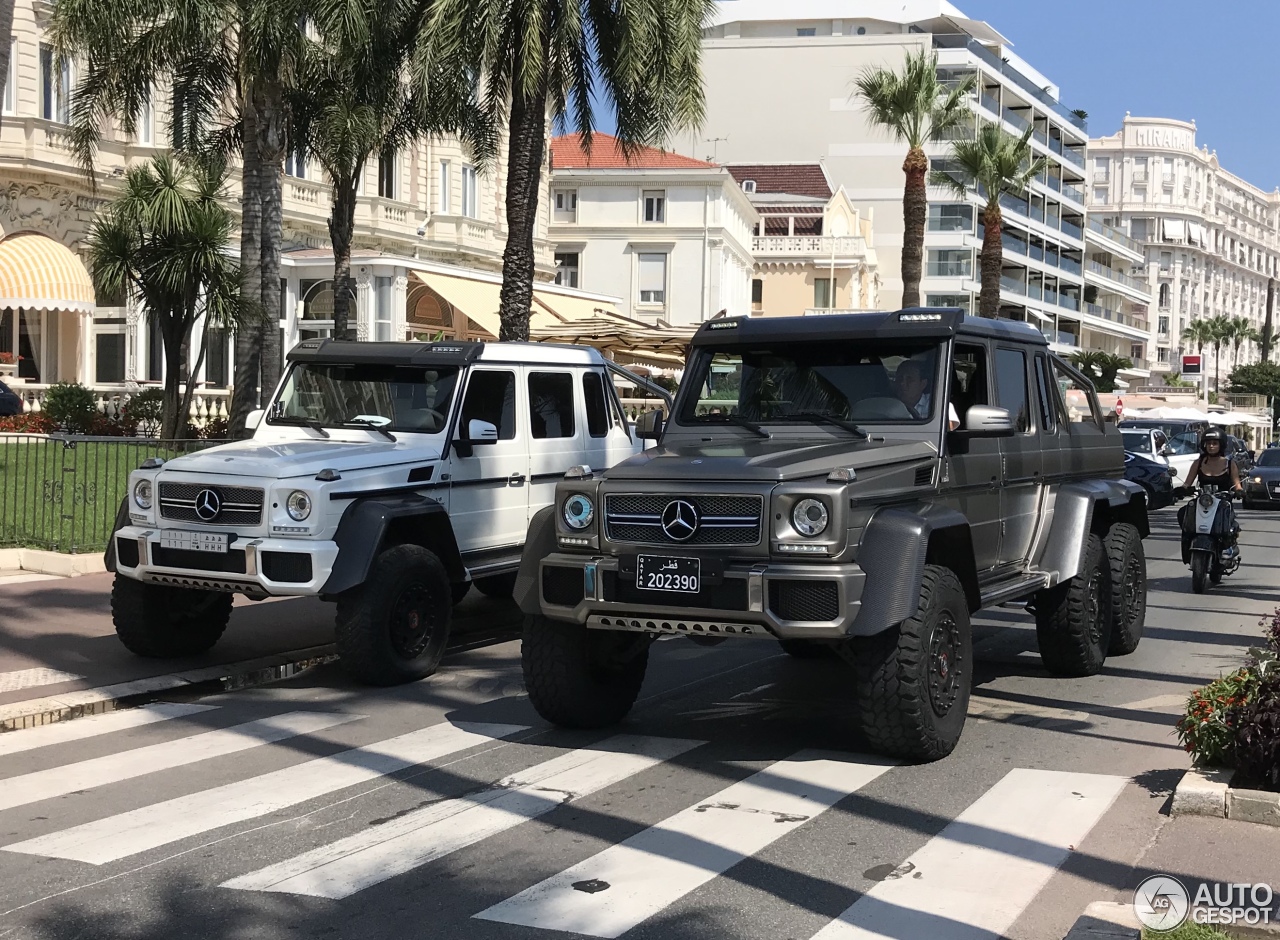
x: 243, y: 569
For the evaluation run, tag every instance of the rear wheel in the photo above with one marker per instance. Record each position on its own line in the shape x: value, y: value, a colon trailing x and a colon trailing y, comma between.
x: 1073, y: 619
x: 163, y: 622
x: 500, y: 586
x: 1128, y: 588
x: 1199, y: 571
x: 912, y: 681
x: 580, y: 678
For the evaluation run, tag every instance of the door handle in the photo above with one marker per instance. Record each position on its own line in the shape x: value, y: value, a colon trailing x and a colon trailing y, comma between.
x: 516, y: 479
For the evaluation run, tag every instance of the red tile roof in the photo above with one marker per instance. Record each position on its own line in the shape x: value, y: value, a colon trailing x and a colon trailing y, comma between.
x: 567, y: 153
x: 798, y: 179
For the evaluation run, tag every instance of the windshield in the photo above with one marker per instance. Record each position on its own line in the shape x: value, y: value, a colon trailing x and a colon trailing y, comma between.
x: 1137, y: 442
x: 864, y: 382
x: 396, y: 398
x: 1268, y: 458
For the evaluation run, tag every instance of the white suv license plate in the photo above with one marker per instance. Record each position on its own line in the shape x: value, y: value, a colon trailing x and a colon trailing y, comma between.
x: 215, y: 542
x: 665, y: 573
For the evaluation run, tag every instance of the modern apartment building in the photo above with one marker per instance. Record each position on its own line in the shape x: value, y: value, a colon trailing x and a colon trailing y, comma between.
x: 779, y: 81
x: 669, y: 233
x: 813, y: 248
x: 1209, y: 241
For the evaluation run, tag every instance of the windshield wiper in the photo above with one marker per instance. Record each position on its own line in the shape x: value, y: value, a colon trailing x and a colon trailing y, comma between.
x: 366, y: 423
x: 299, y: 422
x: 818, y: 417
x: 737, y: 421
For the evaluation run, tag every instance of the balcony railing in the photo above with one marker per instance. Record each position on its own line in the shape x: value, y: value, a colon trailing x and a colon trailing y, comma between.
x: 1116, y: 316
x: 1016, y: 119
x: 949, y: 269
x: 988, y: 102
x: 1112, y: 274
x: 1013, y: 285
x: 1022, y: 81
x: 1073, y: 156
x: 810, y: 246
x: 1072, y: 191
x: 1114, y: 235
x: 1072, y: 229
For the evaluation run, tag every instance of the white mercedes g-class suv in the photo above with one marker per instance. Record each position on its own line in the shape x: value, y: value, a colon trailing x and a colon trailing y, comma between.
x: 387, y: 477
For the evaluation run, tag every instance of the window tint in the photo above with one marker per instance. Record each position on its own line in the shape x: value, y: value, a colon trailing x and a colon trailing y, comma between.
x: 1048, y: 399
x: 551, y: 404
x: 1078, y: 402
x: 491, y: 396
x: 1011, y: 385
x: 968, y: 379
x: 597, y: 410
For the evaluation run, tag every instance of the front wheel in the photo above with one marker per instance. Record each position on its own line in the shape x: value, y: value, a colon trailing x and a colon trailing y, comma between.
x: 1199, y: 571
x: 394, y: 627
x: 912, y: 681
x: 163, y: 622
x: 580, y: 678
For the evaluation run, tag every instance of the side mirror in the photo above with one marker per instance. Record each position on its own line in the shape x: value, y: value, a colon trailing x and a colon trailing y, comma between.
x: 1166, y: 451
x: 988, y: 421
x: 481, y: 432
x: 254, y: 419
x: 649, y: 425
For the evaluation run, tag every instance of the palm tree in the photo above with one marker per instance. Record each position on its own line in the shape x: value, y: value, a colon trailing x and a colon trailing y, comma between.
x: 915, y: 108
x: 6, y: 41
x: 164, y: 241
x: 1239, y: 332
x: 1219, y: 334
x: 228, y: 65
x: 1102, y: 367
x: 550, y: 58
x: 353, y: 104
x: 995, y: 163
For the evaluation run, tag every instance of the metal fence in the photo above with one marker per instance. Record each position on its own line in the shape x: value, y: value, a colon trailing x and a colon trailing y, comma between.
x: 62, y: 492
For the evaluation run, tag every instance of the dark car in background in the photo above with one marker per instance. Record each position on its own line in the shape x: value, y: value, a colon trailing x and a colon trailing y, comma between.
x: 1155, y: 478
x: 10, y: 403
x: 1262, y: 483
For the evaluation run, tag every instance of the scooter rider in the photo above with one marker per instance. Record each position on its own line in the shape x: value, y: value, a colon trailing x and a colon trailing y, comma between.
x: 1211, y: 469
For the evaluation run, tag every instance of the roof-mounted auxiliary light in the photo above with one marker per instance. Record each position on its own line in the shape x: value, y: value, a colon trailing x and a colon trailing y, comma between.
x: 580, y: 472
x: 920, y: 317
x: 152, y: 463
x: 328, y: 475
x: 843, y: 475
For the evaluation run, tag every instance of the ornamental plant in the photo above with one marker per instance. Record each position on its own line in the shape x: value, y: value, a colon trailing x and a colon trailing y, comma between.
x: 1257, y: 741
x: 1208, y: 728
x: 8, y: 358
x: 71, y: 406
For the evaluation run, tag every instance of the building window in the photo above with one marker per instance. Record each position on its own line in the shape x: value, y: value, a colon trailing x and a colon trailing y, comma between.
x: 382, y: 302
x: 653, y: 278
x: 948, y: 300
x: 1102, y: 168
x: 1162, y: 354
x: 955, y: 262
x: 387, y: 166
x: 469, y: 206
x: 11, y: 84
x: 146, y: 123
x: 951, y: 218
x: 295, y: 165
x: 1139, y: 194
x: 109, y: 357
x: 445, y: 197
x: 1162, y: 326
x: 1101, y: 195
x: 822, y: 296
x: 655, y: 206
x: 748, y: 186
x: 806, y: 31
x: 1164, y: 296
x: 565, y: 202
x: 757, y: 294
x: 216, y: 361
x: 55, y: 86
x: 567, y: 269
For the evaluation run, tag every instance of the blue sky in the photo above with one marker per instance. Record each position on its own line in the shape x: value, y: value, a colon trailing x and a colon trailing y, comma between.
x: 1214, y: 62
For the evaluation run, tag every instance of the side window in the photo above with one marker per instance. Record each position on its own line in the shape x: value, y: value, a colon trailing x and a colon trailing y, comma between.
x: 491, y: 396
x: 1011, y: 386
x: 597, y: 409
x: 968, y: 379
x: 1048, y: 397
x: 551, y: 404
x: 1078, y: 402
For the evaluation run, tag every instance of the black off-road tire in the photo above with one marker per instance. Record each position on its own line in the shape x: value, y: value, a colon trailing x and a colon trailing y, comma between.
x: 1073, y: 619
x: 459, y: 590
x: 500, y: 586
x: 1199, y: 572
x: 163, y: 622
x: 394, y: 627
x: 580, y: 678
x: 913, y: 680
x: 807, y: 649
x: 1128, y: 588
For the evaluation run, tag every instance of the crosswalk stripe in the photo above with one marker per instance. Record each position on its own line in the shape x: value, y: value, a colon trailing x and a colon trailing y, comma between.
x: 32, y: 678
x: 370, y: 857
x: 115, y: 837
x: 627, y: 883
x: 977, y: 876
x: 15, y: 742
x: 125, y: 765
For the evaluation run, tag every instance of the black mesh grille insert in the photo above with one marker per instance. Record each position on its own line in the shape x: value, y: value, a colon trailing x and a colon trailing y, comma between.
x: 232, y: 561
x: 127, y: 553
x: 804, y: 600
x: 287, y: 567
x: 729, y: 594
x: 562, y: 586
x: 241, y: 505
x: 724, y: 520
x: 924, y: 475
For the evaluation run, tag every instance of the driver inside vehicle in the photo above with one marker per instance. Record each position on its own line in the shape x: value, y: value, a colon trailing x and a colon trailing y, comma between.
x: 912, y: 386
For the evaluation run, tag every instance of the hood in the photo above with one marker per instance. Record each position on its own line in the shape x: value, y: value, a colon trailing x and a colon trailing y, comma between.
x: 283, y: 459
x: 1267, y: 473
x: 768, y: 461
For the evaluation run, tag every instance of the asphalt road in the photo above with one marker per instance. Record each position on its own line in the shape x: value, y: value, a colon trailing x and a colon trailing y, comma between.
x: 734, y: 803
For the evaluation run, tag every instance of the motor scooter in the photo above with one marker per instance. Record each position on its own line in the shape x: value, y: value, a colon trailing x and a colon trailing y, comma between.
x: 1210, y: 537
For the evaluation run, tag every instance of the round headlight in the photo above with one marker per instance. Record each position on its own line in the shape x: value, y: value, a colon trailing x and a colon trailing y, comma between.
x: 1257, y: 479
x: 298, y: 505
x: 809, y: 517
x: 142, y: 494
x: 578, y: 511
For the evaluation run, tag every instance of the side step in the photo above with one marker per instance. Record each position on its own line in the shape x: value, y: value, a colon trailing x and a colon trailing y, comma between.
x: 1014, y: 588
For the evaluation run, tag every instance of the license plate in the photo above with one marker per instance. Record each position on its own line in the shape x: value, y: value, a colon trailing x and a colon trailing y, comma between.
x: 215, y: 542
x: 664, y: 573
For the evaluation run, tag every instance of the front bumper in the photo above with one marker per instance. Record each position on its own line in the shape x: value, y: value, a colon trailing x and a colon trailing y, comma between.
x: 1267, y: 491
x: 760, y: 599
x: 300, y: 566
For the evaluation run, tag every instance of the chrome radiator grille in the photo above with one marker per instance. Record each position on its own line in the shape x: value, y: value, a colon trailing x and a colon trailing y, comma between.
x: 237, y: 505
x: 720, y: 519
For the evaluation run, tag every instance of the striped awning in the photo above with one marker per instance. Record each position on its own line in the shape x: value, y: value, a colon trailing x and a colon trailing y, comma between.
x: 38, y: 273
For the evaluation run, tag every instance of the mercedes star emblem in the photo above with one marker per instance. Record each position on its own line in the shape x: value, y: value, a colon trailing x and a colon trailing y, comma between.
x: 680, y: 520
x: 208, y: 505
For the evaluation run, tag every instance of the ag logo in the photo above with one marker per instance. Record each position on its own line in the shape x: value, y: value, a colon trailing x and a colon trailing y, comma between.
x: 1161, y: 903
x: 680, y: 520
x: 208, y: 505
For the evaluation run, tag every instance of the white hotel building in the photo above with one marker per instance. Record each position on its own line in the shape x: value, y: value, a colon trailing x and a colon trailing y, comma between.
x: 779, y: 79
x: 1210, y: 241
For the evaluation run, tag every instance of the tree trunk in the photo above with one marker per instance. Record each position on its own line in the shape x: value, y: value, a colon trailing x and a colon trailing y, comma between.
x: 527, y: 131
x: 992, y: 261
x: 342, y: 224
x: 1268, y: 325
x: 1217, y: 356
x: 271, y: 151
x: 6, y: 41
x: 172, y: 421
x: 244, y: 396
x: 915, y: 206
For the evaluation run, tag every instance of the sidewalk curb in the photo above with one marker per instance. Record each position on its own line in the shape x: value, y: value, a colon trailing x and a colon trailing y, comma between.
x: 1106, y: 920
x: 1208, y: 792
x: 43, y: 711
x: 57, y: 563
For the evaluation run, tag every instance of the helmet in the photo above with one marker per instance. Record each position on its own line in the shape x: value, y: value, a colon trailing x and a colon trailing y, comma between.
x: 1214, y: 434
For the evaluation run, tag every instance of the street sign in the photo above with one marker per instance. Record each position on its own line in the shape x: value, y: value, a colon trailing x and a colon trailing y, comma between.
x: 1191, y: 365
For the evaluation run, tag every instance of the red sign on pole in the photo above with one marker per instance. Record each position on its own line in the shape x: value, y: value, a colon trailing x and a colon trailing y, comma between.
x: 1191, y: 365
